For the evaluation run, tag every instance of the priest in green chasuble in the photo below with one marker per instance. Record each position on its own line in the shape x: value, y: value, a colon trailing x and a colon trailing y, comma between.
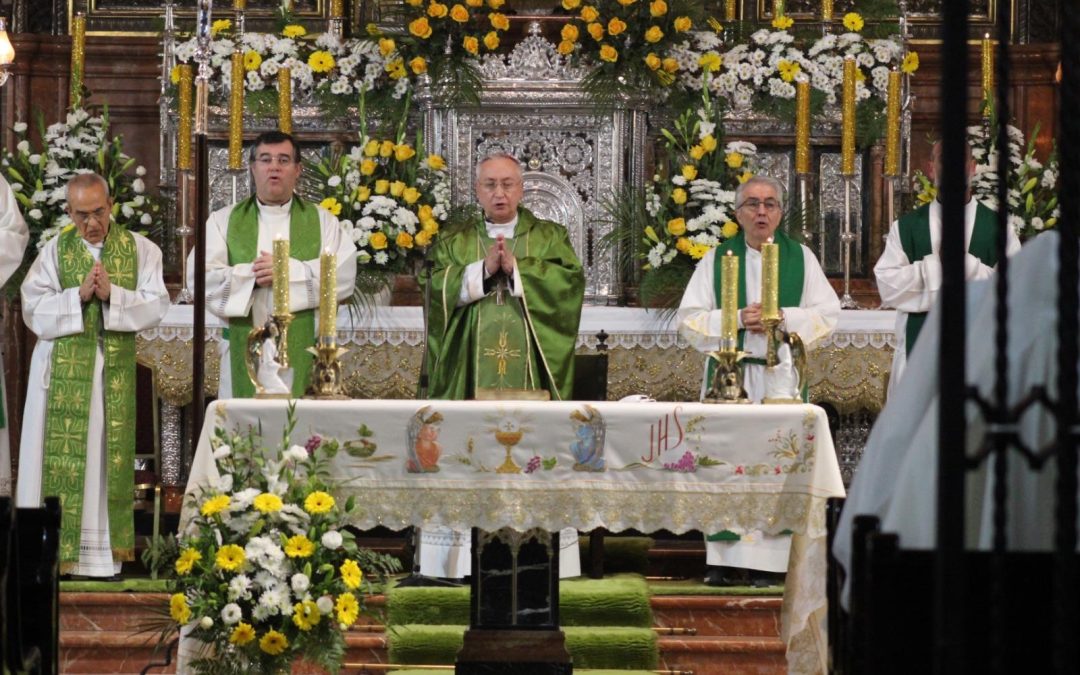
x: 91, y: 289
x: 909, y: 270
x: 13, y: 238
x: 808, y: 307
x: 506, y: 295
x: 239, y: 264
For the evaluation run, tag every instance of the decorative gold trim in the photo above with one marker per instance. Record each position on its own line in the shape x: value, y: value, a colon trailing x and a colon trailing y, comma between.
x: 490, y: 394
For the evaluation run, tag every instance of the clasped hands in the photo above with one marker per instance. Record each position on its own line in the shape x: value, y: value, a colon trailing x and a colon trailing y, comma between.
x: 751, y: 318
x: 263, y: 268
x: 499, y: 258
x: 96, y: 283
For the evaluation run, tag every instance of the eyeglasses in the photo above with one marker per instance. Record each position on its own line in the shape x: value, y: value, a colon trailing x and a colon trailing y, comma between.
x: 282, y: 160
x: 493, y: 186
x: 754, y: 204
x: 82, y: 217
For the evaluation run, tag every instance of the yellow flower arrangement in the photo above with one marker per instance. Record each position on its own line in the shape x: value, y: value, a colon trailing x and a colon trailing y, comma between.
x: 321, y: 61
x: 219, y: 26
x: 418, y: 65
x: 299, y: 546
x: 910, y: 63
x: 294, y: 30
x: 215, y: 505
x: 608, y: 53
x: 319, y: 502
x: 273, y: 643
x: 178, y: 608
x: 654, y: 34
x: 268, y: 502
x: 187, y: 560
x: 783, y: 22
x: 252, y: 60
x: 853, y: 22
x: 459, y: 13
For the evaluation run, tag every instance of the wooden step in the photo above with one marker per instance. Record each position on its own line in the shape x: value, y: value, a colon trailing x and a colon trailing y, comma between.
x: 719, y: 615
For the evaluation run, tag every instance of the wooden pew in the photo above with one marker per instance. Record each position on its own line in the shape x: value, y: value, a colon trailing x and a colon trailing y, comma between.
x: 32, y: 589
x: 16, y: 654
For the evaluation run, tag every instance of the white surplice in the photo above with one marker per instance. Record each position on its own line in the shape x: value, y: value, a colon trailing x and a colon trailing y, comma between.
x: 13, y: 238
x: 897, y: 475
x: 231, y: 290
x: 53, y: 312
x: 699, y: 323
x: 913, y: 286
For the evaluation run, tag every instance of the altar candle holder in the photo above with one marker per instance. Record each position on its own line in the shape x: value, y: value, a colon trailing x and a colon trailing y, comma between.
x: 847, y: 170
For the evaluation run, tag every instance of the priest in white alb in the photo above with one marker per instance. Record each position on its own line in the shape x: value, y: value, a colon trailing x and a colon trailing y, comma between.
x: 239, y: 269
x: 808, y: 307
x: 91, y: 289
x: 13, y: 238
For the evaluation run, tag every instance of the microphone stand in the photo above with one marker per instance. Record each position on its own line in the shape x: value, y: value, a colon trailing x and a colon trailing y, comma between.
x: 415, y: 578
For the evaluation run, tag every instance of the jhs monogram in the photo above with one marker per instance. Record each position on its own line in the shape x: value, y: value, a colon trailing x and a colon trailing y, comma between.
x: 661, y: 435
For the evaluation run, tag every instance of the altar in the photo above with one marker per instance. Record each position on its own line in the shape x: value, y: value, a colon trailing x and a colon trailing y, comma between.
x: 521, y: 465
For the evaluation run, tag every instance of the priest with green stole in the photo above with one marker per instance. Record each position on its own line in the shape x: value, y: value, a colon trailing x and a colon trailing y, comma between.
x: 506, y: 296
x: 91, y: 289
x: 808, y: 307
x: 13, y: 238
x: 909, y: 270
x: 239, y: 263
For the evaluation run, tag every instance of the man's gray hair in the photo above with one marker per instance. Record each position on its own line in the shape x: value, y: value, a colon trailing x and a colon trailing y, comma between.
x: 86, y: 180
x: 497, y: 155
x: 760, y: 179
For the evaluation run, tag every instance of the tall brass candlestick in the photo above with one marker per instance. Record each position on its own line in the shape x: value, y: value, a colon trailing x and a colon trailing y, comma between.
x: 987, y: 67
x: 236, y: 112
x: 777, y: 8
x: 285, y: 100
x: 847, y: 145
x: 730, y: 13
x: 183, y: 131
x: 281, y: 276
x: 239, y: 4
x: 328, y: 298
x: 892, y: 126
x: 770, y: 281
x: 337, y: 9
x: 729, y: 303
x: 826, y: 10
x: 78, y: 59
x: 802, y: 127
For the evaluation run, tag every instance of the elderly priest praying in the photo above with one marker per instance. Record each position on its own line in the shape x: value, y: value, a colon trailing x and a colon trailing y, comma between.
x: 91, y: 289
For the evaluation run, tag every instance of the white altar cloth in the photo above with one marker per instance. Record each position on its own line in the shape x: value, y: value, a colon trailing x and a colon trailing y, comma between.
x: 648, y: 466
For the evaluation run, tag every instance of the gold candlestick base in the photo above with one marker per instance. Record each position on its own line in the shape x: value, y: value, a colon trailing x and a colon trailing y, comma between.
x: 326, y: 382
x: 727, y: 381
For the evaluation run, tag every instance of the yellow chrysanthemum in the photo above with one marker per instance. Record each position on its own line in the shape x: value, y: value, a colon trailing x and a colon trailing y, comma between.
x: 318, y: 502
x: 242, y: 634
x: 368, y: 166
x: 571, y: 4
x: 783, y: 22
x: 589, y: 14
x: 689, y: 171
x: 229, y: 557
x: 682, y: 244
x: 491, y: 41
x: 396, y: 68
x: 299, y: 546
x: 437, y: 10
x: 332, y: 205
x: 178, y: 608
x: 657, y: 8
x: 609, y: 53
x: 654, y: 34
x: 730, y: 229
x: 422, y: 238
x: 471, y: 44
x: 653, y: 61
x: 174, y: 75
x: 397, y: 188
x: 596, y: 30
x: 676, y: 227
x: 734, y: 159
x: 410, y: 195
x: 294, y: 30
x: 436, y: 162
x: 853, y: 22
x: 499, y: 21
x: 219, y: 26
x: 215, y: 505
x: 350, y: 572
x: 569, y: 32
x: 678, y: 195
x: 418, y: 65
x: 788, y: 70
x: 404, y: 240
x: 698, y: 251
x: 387, y: 148
x: 252, y: 60
x: 683, y: 24
x: 420, y: 28
x: 382, y: 186
x: 404, y: 152
x: 387, y: 46
x: 348, y: 609
x: 267, y: 502
x: 273, y: 643
x: 321, y: 61
x: 566, y: 48
x: 910, y: 63
x: 616, y: 26
x: 187, y: 560
x: 459, y: 13
x: 378, y: 241
x: 710, y: 61
x: 709, y: 143
x: 306, y: 615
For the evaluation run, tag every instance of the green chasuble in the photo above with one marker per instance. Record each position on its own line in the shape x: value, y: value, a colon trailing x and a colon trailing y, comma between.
x: 915, y: 238
x: 67, y: 410
x: 305, y: 242
x: 526, y: 343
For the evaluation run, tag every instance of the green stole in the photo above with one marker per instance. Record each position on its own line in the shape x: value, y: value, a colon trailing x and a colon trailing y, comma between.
x: 505, y: 353
x: 243, y: 243
x: 915, y: 238
x: 791, y: 281
x: 67, y: 408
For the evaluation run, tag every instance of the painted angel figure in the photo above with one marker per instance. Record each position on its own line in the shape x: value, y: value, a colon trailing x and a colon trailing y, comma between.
x: 588, y: 444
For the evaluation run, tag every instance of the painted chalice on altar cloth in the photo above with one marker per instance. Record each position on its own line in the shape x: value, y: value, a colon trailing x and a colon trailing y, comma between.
x: 508, y: 434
